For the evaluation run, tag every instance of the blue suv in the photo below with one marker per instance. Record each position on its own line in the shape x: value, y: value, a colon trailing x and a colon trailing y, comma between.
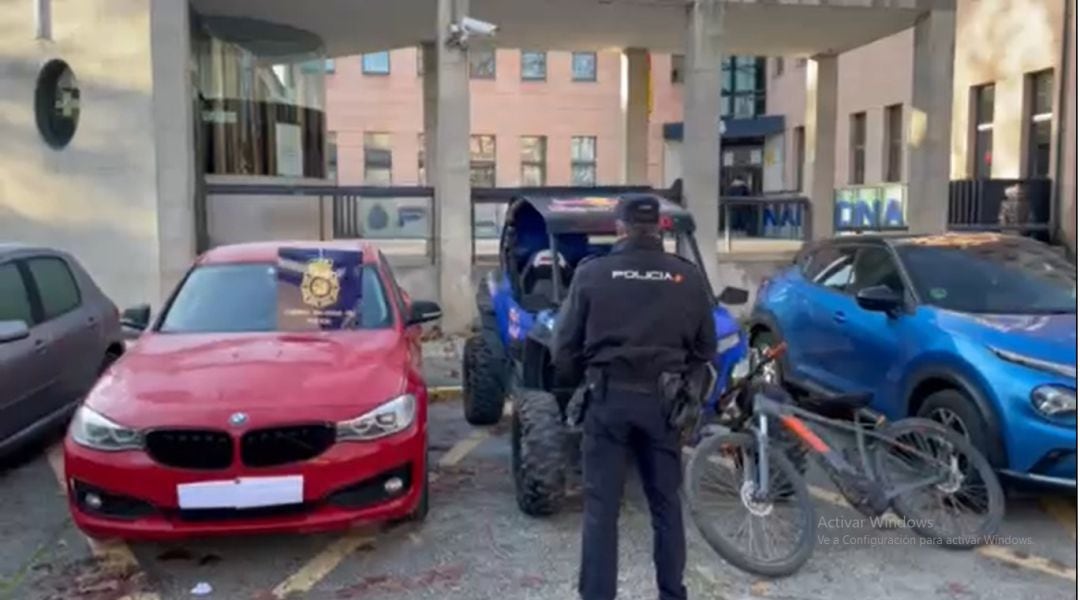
x: 975, y: 331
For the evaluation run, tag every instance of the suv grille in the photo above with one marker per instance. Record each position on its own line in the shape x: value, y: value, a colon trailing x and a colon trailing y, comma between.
x: 282, y: 445
x: 203, y: 449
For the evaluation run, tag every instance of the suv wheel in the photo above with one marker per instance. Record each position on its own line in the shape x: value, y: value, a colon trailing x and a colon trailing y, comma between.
x: 957, y: 412
x: 538, y: 453
x: 484, y: 388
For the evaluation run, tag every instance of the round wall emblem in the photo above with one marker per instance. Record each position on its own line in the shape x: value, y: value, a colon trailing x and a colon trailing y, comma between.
x: 57, y: 103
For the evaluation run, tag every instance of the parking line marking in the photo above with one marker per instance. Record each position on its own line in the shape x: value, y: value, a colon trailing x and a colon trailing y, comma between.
x: 323, y: 564
x: 115, y: 556
x: 461, y: 449
x: 1064, y: 512
x: 1027, y: 561
x: 1001, y: 553
x: 444, y: 392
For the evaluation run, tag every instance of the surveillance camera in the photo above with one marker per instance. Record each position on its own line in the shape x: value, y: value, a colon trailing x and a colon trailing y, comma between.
x: 471, y: 26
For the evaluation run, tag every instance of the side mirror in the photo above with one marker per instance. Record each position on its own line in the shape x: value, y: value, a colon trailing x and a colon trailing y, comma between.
x: 879, y: 298
x: 423, y: 311
x: 733, y: 296
x: 13, y: 331
x: 136, y: 317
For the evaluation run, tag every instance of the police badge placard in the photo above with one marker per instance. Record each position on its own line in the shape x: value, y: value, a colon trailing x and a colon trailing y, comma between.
x: 317, y: 289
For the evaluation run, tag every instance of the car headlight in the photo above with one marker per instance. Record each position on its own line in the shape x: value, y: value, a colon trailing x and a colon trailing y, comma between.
x: 93, y: 430
x: 727, y: 343
x: 385, y: 420
x: 1052, y: 400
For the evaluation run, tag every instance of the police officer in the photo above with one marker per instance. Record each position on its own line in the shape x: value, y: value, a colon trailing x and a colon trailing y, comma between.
x: 629, y: 317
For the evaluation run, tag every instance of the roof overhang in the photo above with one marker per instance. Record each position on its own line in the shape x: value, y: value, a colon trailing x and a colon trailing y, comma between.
x: 751, y: 27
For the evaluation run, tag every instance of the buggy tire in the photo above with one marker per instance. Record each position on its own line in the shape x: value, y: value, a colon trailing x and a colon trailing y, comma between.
x: 484, y: 377
x: 538, y: 455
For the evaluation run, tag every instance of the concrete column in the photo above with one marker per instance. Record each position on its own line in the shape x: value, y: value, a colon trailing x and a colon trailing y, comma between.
x: 430, y: 58
x: 637, y: 116
x: 174, y: 140
x: 701, y: 126
x: 453, y: 204
x: 930, y: 134
x: 822, y: 85
x: 1066, y: 185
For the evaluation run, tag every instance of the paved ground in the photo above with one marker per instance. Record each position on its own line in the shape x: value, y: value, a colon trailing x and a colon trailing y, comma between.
x: 477, y: 545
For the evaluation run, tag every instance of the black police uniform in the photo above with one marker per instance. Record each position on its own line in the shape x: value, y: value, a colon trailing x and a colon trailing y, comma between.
x: 632, y: 315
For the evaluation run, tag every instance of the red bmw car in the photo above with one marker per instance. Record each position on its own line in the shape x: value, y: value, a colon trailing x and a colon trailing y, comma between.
x: 274, y: 392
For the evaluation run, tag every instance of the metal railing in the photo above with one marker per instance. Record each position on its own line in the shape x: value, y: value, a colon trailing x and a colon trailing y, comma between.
x: 401, y: 219
x: 975, y: 205
x: 780, y: 216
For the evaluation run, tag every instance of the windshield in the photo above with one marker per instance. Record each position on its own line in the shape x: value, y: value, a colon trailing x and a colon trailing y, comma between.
x: 1000, y: 277
x: 243, y: 298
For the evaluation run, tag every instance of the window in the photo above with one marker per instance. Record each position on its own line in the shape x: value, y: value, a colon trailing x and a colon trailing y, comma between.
x: 482, y: 160
x: 378, y: 159
x: 14, y: 300
x: 376, y: 63
x: 982, y: 157
x: 482, y: 63
x: 244, y: 297
x: 873, y: 267
x: 421, y: 167
x: 583, y: 160
x: 800, y: 156
x: 1040, y: 122
x: 678, y: 68
x: 1010, y: 276
x: 894, y: 142
x: 328, y: 66
x: 857, y: 172
x: 331, y: 156
x: 56, y: 286
x: 533, y: 66
x: 831, y: 266
x: 778, y: 66
x: 583, y: 66
x: 742, y: 87
x: 533, y: 160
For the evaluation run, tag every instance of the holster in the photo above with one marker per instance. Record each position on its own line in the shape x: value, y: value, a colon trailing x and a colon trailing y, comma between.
x: 592, y: 389
x: 671, y: 389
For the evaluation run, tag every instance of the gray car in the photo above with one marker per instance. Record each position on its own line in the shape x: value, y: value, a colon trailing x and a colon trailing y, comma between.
x: 58, y: 332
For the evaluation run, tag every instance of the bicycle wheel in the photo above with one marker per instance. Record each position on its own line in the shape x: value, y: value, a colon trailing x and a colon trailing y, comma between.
x: 960, y: 511
x: 771, y: 537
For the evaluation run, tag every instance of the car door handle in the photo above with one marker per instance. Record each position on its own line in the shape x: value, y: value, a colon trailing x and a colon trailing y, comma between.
x: 839, y: 317
x: 41, y: 345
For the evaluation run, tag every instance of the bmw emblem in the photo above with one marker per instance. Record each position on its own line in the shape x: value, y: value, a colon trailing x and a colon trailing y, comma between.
x: 238, y: 419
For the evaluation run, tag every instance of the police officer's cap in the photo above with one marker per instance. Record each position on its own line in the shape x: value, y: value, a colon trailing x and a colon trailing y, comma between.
x: 643, y: 210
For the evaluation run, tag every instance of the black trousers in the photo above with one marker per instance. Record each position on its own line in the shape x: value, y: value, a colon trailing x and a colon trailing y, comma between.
x: 620, y: 421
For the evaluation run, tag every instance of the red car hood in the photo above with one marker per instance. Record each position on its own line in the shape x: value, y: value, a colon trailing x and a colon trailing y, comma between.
x: 202, y: 379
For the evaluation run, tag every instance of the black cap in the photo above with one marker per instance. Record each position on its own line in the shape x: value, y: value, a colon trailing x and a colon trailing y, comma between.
x: 643, y: 210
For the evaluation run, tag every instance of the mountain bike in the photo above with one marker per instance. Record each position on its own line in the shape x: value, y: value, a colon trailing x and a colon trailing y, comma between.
x: 754, y: 508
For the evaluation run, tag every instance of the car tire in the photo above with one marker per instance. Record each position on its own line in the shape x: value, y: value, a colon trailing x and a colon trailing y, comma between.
x: 420, y: 514
x: 484, y: 381
x: 538, y: 454
x: 954, y: 410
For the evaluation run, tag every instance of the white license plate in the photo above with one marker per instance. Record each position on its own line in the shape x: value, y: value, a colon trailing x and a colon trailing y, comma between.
x: 245, y: 492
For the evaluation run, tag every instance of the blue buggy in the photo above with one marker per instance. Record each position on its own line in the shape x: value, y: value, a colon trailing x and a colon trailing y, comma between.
x: 543, y: 240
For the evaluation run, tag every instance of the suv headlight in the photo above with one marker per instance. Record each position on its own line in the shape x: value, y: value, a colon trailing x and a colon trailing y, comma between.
x: 1052, y: 400
x: 93, y: 430
x: 387, y: 419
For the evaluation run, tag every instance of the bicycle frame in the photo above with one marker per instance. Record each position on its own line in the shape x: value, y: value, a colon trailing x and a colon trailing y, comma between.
x: 791, y: 417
